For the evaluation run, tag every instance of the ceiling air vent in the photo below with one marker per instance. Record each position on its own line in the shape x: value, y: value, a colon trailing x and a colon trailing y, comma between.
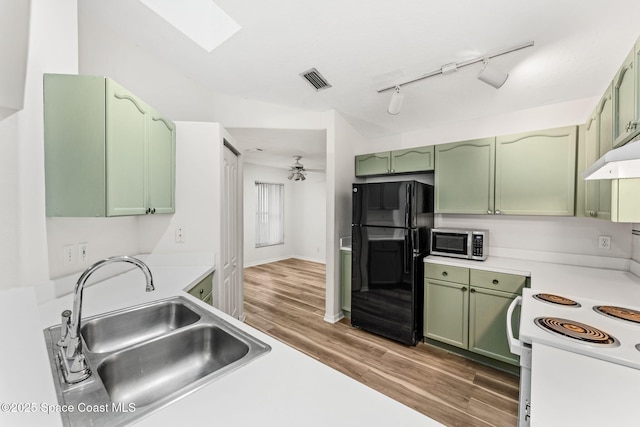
x: 315, y: 79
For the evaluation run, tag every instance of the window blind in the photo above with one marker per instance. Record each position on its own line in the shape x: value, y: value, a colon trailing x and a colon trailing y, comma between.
x: 269, y: 214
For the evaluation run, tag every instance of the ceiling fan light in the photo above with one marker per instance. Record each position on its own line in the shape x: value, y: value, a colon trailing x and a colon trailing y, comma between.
x: 492, y: 76
x: 396, y: 102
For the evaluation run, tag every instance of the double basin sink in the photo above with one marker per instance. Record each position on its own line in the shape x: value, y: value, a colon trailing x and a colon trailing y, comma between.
x: 143, y: 358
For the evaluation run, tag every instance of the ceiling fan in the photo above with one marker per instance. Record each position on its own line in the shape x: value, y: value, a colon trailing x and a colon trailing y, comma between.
x: 297, y: 171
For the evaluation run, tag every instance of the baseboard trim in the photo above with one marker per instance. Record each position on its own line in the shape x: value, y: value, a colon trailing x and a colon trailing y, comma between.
x: 335, y: 318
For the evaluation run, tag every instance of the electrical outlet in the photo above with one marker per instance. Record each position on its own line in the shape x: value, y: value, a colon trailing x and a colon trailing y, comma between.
x: 179, y: 235
x: 83, y: 254
x: 604, y: 242
x: 68, y: 254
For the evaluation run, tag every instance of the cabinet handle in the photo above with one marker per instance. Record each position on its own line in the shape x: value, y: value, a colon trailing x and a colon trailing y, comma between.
x: 153, y: 210
x: 444, y: 273
x: 392, y: 171
x: 495, y: 281
x: 498, y: 212
x: 201, y: 291
x: 472, y: 290
x: 148, y: 211
x: 463, y: 289
x: 489, y: 211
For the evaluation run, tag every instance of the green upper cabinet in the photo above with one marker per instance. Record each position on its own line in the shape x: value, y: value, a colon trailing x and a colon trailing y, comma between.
x: 419, y: 159
x: 625, y: 203
x: 464, y: 177
x: 535, y: 172
x: 107, y: 153
x: 373, y: 164
x: 624, y: 100
x: 411, y: 160
x: 598, y: 139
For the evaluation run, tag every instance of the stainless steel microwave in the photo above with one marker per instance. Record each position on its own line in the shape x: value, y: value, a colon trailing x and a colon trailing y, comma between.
x: 460, y: 243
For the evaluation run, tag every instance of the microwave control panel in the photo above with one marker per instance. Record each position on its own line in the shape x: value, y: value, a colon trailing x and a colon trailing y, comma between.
x: 478, y: 244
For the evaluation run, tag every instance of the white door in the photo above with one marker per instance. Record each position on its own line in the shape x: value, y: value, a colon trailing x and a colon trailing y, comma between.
x: 231, y: 289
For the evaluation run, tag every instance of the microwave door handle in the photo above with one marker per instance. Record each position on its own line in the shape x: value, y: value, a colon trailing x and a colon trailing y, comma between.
x: 515, y: 346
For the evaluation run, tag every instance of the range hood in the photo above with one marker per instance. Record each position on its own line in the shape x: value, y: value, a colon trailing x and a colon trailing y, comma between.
x: 623, y: 162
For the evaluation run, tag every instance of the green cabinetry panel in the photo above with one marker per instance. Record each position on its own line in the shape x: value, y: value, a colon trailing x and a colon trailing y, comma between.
x: 535, y: 172
x: 411, y: 160
x: 446, y: 312
x: 625, y: 200
x: 373, y: 164
x: 464, y: 177
x: 467, y: 308
x: 624, y: 100
x: 417, y: 159
x: 107, y: 153
x: 203, y: 290
x: 345, y: 280
x: 487, y: 329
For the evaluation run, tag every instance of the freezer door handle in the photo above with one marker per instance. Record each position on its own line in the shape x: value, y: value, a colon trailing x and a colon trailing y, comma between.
x: 514, y: 344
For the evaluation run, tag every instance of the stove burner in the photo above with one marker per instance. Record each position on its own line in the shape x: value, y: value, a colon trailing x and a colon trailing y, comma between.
x: 556, y: 299
x: 576, y: 330
x: 619, y: 313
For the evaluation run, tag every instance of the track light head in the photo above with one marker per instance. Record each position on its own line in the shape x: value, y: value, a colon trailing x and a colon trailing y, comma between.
x: 396, y: 102
x: 492, y: 76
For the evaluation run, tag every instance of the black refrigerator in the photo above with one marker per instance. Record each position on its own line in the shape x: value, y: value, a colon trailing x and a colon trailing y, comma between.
x: 389, y: 239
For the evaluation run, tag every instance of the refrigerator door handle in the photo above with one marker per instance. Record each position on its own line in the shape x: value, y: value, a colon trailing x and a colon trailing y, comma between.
x: 407, y: 207
x: 408, y: 250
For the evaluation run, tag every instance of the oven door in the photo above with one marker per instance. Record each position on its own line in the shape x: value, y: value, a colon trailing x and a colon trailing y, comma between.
x: 451, y: 243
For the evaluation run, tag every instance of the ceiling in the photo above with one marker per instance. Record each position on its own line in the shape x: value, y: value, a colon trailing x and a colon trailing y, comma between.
x: 361, y: 46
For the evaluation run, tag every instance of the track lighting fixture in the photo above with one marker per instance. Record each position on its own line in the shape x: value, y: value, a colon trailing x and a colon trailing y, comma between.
x: 489, y: 75
x: 396, y: 102
x: 492, y: 76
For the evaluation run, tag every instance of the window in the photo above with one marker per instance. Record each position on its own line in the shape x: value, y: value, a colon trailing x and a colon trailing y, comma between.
x: 269, y: 214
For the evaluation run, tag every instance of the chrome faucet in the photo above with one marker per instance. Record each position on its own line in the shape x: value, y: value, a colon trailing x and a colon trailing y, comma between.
x: 70, y: 356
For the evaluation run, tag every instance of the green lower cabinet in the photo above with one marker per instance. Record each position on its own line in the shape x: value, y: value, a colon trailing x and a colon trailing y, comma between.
x: 203, y: 290
x: 487, y: 315
x: 467, y: 308
x: 446, y: 312
x: 345, y: 280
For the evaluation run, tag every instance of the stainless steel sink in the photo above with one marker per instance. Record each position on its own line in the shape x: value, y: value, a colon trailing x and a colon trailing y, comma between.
x: 145, y: 357
x: 131, y: 326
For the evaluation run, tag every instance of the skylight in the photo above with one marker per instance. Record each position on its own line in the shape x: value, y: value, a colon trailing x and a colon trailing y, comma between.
x: 200, y: 20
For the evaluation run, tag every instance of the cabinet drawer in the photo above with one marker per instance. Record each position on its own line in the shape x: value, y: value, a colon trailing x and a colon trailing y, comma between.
x: 447, y: 273
x: 498, y: 281
x: 203, y: 288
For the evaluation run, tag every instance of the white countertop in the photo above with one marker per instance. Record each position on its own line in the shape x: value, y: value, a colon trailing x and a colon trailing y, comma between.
x: 595, y: 283
x: 283, y: 388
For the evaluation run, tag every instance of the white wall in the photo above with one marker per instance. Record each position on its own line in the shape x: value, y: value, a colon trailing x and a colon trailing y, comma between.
x: 253, y: 255
x: 52, y: 48
x: 305, y: 216
x: 198, y: 150
x: 309, y: 214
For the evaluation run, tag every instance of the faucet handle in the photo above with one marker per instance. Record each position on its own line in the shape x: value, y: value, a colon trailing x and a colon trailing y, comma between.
x: 65, y: 323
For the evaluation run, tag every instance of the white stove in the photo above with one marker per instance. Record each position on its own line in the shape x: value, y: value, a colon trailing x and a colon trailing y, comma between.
x: 568, y: 332
x: 587, y: 331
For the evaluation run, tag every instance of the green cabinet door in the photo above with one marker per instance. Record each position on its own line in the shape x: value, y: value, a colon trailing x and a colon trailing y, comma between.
x: 74, y: 145
x: 604, y: 113
x: 589, y: 156
x: 345, y: 280
x: 487, y: 327
x: 419, y: 159
x: 107, y: 153
x: 126, y: 127
x: 161, y: 154
x: 373, y: 164
x: 464, y: 177
x: 624, y: 99
x: 446, y: 312
x: 535, y: 172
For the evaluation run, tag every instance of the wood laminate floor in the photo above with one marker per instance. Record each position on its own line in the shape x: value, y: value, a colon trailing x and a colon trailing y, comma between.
x: 285, y: 299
